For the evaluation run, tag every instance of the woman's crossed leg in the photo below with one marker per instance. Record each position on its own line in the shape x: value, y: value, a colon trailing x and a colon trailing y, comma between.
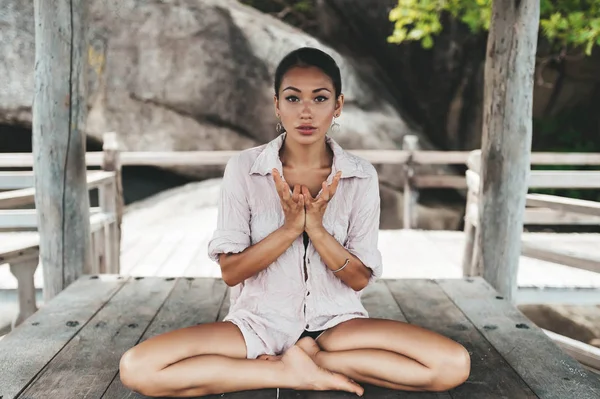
x: 211, y: 359
x: 391, y: 354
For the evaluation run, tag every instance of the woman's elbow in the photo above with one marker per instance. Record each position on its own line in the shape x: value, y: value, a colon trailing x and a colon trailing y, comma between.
x: 227, y: 274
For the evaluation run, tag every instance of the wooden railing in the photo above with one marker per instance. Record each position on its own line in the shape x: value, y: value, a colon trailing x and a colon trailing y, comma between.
x: 564, y: 206
x: 409, y: 159
x: 21, y: 251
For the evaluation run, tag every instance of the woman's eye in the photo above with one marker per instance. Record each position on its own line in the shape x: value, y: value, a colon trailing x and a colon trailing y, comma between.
x: 292, y: 98
x: 320, y: 99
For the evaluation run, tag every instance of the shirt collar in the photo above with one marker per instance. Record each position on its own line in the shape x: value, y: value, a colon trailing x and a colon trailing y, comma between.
x: 268, y: 159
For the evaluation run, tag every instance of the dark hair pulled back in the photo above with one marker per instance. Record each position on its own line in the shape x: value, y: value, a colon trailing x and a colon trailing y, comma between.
x: 305, y: 57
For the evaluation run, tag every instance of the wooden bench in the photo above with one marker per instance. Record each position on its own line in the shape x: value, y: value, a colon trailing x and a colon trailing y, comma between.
x: 19, y: 241
x: 71, y: 347
x: 541, y: 209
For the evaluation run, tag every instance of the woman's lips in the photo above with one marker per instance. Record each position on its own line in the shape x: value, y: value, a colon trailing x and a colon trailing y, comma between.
x: 306, y: 130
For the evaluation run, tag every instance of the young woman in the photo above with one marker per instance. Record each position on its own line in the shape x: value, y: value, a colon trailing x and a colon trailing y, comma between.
x: 297, y: 243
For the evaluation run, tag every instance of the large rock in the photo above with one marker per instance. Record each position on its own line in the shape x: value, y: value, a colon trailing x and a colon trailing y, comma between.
x: 193, y: 75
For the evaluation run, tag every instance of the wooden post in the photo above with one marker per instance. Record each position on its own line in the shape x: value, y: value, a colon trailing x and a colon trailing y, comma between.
x: 24, y: 269
x: 411, y: 195
x: 112, y: 162
x: 59, y: 114
x: 506, y: 141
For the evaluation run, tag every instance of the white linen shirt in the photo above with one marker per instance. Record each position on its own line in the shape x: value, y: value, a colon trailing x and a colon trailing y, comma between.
x: 273, y: 307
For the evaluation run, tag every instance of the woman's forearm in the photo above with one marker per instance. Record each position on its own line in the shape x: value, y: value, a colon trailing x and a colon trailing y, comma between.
x: 236, y: 268
x: 356, y: 275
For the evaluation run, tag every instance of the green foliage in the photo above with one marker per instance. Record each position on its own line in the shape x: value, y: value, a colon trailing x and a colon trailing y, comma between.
x: 565, y: 23
x: 572, y: 130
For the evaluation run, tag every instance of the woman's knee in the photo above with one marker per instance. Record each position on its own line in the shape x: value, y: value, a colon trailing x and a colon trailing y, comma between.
x: 135, y: 372
x: 452, y: 369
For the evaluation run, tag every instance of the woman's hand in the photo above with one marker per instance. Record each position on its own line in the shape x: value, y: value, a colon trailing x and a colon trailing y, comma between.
x: 293, y: 205
x: 315, y: 207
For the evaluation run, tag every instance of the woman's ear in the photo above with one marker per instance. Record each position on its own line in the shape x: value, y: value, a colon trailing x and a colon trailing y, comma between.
x: 276, y: 105
x: 339, y: 104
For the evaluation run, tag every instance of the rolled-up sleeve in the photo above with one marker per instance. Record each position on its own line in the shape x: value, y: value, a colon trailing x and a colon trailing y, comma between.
x: 232, y: 234
x: 363, y: 230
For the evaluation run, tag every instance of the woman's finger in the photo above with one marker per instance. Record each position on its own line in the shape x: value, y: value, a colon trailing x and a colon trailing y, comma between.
x: 286, y: 191
x: 325, y: 193
x: 278, y: 181
x: 307, y: 195
x: 296, y: 194
x: 334, y: 184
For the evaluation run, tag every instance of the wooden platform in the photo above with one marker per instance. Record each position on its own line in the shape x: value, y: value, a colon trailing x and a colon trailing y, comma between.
x: 72, y: 346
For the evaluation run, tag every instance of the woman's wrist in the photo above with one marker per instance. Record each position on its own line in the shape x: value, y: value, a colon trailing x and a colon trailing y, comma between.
x: 316, y: 232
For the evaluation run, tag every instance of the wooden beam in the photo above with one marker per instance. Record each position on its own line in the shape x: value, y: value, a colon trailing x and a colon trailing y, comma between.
x: 554, y: 217
x: 410, y: 143
x: 200, y: 158
x: 564, y: 204
x: 506, y: 139
x: 568, y: 258
x: 59, y: 115
x: 585, y: 179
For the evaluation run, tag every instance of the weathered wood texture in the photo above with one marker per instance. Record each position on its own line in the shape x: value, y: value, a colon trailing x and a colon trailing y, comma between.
x: 506, y: 138
x: 59, y: 141
x: 72, y: 346
x: 114, y: 196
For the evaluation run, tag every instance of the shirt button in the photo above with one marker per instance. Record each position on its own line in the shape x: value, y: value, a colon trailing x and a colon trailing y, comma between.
x: 306, y: 326
x: 308, y: 293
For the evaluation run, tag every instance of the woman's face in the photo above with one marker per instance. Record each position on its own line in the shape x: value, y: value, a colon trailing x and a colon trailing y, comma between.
x: 307, y: 104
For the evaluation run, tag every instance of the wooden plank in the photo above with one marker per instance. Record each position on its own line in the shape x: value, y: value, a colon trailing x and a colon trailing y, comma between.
x: 84, y: 368
x: 198, y: 158
x: 156, y: 256
x: 551, y: 216
x: 585, y: 179
x: 193, y: 301
x: 425, y: 304
x: 27, y: 349
x: 188, y: 250
x: 380, y: 304
x: 15, y: 198
x: 587, y: 355
x: 15, y: 219
x: 565, y: 158
x: 16, y: 180
x: 568, y: 258
x: 548, y: 371
x: 12, y: 248
x: 564, y: 204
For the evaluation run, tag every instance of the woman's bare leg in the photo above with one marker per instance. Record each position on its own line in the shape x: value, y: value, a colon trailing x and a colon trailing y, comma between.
x: 210, y: 359
x: 391, y: 354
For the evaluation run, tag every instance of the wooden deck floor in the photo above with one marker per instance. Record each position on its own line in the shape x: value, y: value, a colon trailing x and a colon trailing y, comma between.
x: 62, y: 349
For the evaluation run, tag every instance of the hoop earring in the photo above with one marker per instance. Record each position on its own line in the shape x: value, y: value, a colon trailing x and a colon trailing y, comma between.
x: 335, y: 128
x: 279, y: 128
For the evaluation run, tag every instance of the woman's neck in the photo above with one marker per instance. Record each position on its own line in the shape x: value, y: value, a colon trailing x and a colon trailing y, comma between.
x: 298, y: 156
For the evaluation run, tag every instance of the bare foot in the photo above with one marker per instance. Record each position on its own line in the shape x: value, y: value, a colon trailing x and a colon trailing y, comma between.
x: 309, y: 376
x: 310, y: 346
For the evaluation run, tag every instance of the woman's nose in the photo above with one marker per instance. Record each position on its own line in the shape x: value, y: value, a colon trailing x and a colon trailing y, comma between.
x: 306, y: 112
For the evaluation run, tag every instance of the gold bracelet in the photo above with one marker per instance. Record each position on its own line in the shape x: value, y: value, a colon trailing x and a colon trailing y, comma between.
x: 345, y: 264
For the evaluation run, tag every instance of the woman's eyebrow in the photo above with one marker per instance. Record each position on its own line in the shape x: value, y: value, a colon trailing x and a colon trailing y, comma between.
x: 300, y: 91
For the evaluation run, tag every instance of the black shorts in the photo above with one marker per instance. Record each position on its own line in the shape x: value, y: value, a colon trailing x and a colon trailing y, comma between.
x: 312, y: 334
